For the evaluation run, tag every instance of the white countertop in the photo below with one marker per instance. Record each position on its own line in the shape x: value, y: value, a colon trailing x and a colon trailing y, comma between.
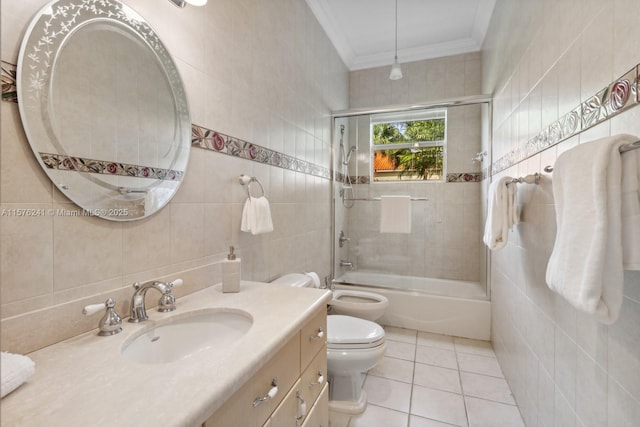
x: 84, y: 381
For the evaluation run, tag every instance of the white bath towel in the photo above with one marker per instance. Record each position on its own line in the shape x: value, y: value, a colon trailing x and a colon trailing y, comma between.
x: 15, y: 369
x: 631, y: 210
x: 256, y: 216
x: 586, y: 262
x: 395, y: 214
x: 502, y: 213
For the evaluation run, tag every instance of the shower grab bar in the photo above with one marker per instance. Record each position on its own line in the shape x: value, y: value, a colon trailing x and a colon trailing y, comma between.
x: 623, y: 149
x: 377, y: 199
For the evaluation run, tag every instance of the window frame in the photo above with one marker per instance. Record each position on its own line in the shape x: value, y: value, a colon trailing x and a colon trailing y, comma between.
x: 408, y: 116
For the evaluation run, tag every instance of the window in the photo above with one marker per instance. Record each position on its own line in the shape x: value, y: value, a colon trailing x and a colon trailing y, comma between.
x: 409, y: 146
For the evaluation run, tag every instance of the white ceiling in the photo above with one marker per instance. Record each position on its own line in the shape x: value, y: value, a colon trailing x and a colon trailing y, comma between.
x: 363, y: 31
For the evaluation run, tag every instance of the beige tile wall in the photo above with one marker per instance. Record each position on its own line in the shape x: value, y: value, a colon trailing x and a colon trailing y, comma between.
x: 261, y: 71
x: 541, y: 59
x: 429, y: 80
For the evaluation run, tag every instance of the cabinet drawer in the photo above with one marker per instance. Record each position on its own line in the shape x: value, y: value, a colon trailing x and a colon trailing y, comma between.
x: 284, y: 367
x: 314, y: 377
x: 286, y: 415
x: 313, y: 337
x: 319, y: 414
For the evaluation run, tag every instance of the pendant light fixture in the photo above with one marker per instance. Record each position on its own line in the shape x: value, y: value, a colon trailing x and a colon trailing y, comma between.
x: 183, y: 3
x: 396, y: 71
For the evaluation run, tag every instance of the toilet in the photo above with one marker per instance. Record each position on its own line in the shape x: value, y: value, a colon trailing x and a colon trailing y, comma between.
x: 354, y: 346
x: 365, y: 305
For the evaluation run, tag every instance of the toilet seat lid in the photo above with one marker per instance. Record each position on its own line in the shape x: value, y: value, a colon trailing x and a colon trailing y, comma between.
x: 347, y: 330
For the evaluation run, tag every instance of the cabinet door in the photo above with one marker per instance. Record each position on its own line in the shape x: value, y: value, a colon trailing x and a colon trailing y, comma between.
x: 313, y: 337
x: 319, y: 415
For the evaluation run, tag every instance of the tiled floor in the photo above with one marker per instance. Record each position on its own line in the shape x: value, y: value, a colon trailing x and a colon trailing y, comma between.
x: 429, y: 380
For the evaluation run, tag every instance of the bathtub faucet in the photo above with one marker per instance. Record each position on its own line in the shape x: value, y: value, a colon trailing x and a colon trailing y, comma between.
x: 347, y: 264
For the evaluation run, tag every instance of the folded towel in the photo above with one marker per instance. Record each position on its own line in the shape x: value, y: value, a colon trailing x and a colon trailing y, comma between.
x: 395, y: 214
x: 586, y: 262
x: 256, y: 216
x: 502, y: 213
x: 631, y: 210
x: 15, y: 369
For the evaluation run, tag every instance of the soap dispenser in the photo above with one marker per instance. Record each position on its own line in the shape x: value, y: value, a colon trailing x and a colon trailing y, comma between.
x: 231, y: 272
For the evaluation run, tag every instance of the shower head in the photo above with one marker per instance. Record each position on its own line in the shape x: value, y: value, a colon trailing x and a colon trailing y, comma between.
x: 346, y: 158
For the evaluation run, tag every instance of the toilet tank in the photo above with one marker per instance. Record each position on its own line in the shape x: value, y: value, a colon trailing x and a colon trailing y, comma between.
x: 296, y: 280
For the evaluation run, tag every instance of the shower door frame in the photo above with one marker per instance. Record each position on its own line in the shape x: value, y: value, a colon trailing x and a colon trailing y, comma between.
x: 451, y: 102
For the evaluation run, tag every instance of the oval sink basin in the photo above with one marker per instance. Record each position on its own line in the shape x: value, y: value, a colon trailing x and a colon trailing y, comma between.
x: 185, y: 335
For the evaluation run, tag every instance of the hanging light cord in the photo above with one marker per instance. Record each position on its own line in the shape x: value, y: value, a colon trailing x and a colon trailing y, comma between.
x: 396, y: 52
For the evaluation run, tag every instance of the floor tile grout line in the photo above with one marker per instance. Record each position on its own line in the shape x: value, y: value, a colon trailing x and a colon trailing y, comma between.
x: 413, y: 379
x: 464, y: 400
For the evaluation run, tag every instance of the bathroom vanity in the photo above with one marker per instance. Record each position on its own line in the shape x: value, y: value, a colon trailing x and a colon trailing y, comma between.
x: 299, y: 367
x: 86, y: 380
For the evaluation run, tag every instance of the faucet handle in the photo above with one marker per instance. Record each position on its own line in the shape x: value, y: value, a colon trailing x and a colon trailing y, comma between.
x: 111, y: 322
x: 92, y: 309
x: 177, y: 282
x: 167, y: 301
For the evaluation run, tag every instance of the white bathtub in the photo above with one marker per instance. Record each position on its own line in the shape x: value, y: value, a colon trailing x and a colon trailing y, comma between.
x: 440, y: 306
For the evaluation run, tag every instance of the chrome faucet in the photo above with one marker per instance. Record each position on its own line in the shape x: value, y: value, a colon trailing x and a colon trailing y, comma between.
x: 347, y: 264
x: 166, y: 304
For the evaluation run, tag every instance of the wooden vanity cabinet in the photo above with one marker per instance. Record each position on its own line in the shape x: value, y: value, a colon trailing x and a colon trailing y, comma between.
x: 300, y: 372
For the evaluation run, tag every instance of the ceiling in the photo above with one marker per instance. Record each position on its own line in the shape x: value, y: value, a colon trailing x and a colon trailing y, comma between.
x: 363, y: 31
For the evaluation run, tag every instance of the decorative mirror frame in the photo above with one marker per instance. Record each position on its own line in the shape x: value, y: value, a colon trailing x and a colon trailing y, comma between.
x: 149, y: 188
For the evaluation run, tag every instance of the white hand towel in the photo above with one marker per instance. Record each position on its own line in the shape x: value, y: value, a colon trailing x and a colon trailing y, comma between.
x: 256, y: 216
x: 314, y: 278
x: 15, y: 369
x: 631, y: 210
x: 502, y: 213
x: 395, y: 214
x: 586, y: 262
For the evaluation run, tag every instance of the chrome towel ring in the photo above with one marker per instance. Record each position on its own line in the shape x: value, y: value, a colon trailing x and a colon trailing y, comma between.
x: 248, y: 180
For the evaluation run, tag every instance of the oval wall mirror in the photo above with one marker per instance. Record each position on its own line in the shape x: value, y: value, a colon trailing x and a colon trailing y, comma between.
x: 104, y: 108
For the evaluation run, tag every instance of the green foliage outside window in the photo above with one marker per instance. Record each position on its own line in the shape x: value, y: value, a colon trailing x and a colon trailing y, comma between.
x: 420, y: 161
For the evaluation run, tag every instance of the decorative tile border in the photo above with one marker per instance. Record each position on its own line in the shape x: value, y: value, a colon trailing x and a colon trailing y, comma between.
x: 451, y: 178
x: 617, y: 97
x: 464, y: 177
x: 79, y: 164
x: 216, y: 141
x: 352, y: 179
x: 9, y: 91
x: 200, y: 137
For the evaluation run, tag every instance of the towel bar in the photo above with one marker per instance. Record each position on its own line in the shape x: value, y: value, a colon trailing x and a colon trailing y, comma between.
x: 377, y: 199
x: 629, y: 147
x: 623, y: 149
x: 529, y: 179
x: 247, y: 180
